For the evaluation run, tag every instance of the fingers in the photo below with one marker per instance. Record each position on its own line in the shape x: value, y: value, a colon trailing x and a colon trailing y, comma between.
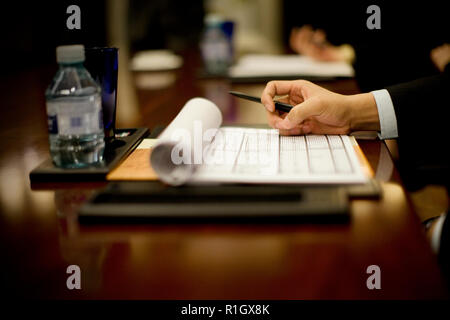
x: 312, y: 43
x: 272, y: 89
x: 298, y: 130
x: 308, y: 100
x: 320, y: 36
x: 274, y: 118
x: 300, y: 113
x: 284, y: 99
x: 292, y: 132
x: 300, y: 39
x: 294, y: 41
x: 441, y: 56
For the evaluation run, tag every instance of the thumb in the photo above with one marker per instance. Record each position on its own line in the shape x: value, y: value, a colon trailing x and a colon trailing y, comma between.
x: 301, y: 112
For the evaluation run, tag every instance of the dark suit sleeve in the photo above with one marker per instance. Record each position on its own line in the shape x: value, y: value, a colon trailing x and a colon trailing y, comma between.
x: 423, y: 121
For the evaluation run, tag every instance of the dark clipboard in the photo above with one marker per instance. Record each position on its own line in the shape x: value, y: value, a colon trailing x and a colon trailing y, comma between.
x: 154, y: 202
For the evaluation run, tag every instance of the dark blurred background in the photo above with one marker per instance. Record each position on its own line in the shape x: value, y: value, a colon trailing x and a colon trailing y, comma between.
x: 32, y: 30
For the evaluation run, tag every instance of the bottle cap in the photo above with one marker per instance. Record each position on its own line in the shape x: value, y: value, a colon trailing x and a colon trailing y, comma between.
x: 213, y: 20
x: 70, y: 54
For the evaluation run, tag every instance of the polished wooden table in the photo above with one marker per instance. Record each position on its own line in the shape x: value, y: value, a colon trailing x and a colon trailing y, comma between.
x: 41, y: 236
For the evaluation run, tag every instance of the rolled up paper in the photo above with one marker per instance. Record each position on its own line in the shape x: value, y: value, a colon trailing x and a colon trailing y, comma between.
x: 180, y: 146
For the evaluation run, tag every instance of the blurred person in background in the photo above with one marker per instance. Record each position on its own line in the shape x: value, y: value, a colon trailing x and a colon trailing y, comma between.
x: 397, y: 52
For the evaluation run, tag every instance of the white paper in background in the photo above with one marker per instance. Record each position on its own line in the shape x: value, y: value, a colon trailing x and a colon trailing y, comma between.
x: 196, y: 117
x: 259, y: 65
x: 155, y: 60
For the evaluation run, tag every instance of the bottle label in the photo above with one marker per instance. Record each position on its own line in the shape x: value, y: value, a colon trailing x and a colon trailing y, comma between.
x: 52, y: 124
x: 75, y: 117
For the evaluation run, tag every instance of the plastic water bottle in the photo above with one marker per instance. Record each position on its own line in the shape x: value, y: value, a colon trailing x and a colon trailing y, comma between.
x: 74, y: 110
x: 216, y: 47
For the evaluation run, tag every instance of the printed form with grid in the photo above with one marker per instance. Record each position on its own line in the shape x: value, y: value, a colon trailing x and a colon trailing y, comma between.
x: 250, y: 155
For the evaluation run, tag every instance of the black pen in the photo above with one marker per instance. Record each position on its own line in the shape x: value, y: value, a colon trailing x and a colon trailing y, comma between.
x: 280, y: 106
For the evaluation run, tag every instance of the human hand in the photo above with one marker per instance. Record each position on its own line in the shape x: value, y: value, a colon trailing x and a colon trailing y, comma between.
x: 441, y: 56
x: 313, y: 43
x: 318, y: 110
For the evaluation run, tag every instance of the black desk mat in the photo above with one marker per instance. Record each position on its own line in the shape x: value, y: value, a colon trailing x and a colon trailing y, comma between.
x: 154, y: 202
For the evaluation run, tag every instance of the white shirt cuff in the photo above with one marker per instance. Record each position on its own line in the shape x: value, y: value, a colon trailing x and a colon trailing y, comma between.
x: 386, y: 113
x: 436, y: 236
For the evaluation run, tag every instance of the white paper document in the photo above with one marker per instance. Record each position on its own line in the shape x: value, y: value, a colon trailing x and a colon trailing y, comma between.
x: 195, y: 149
x: 259, y: 65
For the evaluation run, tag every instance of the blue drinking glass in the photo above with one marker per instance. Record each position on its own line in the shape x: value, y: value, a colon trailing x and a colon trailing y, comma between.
x: 103, y: 64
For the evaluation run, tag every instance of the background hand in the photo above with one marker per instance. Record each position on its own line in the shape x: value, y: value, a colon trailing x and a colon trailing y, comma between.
x: 313, y: 43
x: 441, y: 56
